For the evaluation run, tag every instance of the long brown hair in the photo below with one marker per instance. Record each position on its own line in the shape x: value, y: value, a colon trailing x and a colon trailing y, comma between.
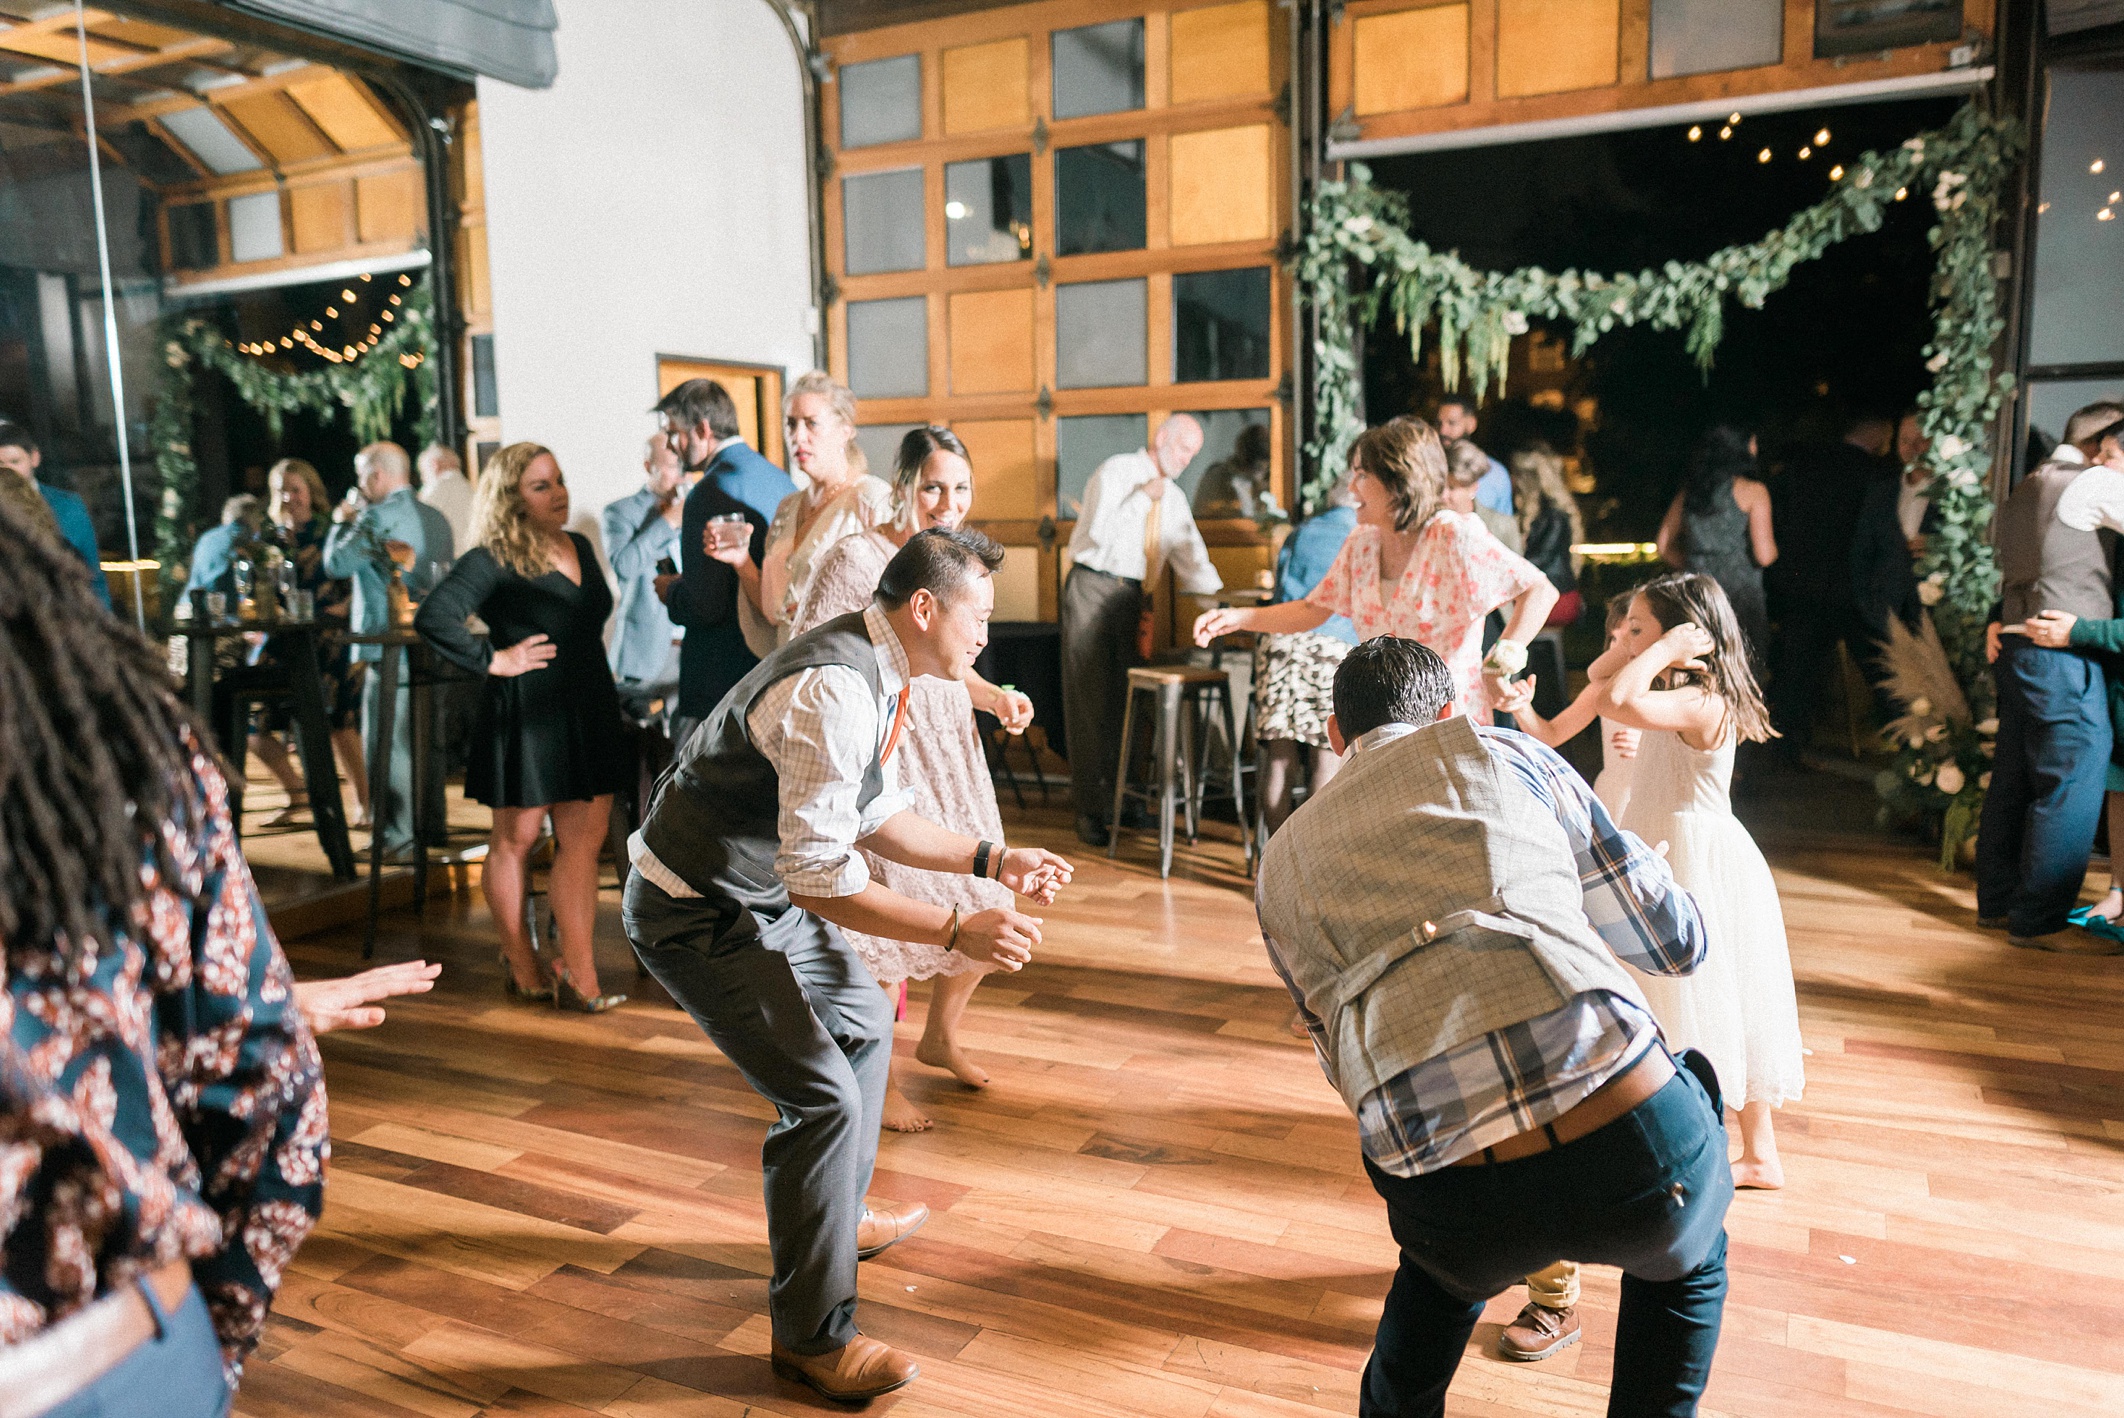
x: 1692, y: 596
x: 498, y: 512
x: 1405, y: 457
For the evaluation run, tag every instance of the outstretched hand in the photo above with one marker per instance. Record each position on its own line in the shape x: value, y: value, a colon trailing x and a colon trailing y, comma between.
x: 1035, y: 872
x: 1000, y: 936
x: 349, y: 1002
x: 1515, y: 696
x: 1222, y: 621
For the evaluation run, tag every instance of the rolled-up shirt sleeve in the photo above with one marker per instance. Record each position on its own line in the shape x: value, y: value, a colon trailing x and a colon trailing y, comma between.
x: 820, y: 730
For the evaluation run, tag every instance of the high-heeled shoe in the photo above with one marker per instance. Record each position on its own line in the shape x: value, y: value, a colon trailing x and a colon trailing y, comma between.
x: 518, y: 992
x: 567, y: 996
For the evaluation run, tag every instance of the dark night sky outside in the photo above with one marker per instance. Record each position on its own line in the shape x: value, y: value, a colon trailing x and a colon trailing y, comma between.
x: 1853, y: 321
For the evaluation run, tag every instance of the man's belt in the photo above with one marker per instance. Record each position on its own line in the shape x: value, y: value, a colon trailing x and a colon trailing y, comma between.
x: 1135, y: 581
x: 47, y: 1369
x: 1611, y: 1101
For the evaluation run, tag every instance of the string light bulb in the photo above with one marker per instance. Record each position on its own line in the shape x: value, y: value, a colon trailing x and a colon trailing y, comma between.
x: 1901, y: 193
x: 332, y: 311
x: 1725, y: 132
x: 1763, y: 156
x: 1806, y: 153
x: 1836, y: 174
x: 405, y: 280
x: 2097, y: 165
x: 365, y: 276
x: 2107, y: 214
x: 1821, y: 137
x: 1696, y: 132
x: 1734, y: 119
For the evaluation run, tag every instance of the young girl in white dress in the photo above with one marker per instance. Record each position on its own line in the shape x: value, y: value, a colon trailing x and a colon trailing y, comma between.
x: 1680, y: 676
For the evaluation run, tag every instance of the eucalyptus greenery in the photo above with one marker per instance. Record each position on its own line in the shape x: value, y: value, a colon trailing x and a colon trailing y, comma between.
x: 370, y: 390
x: 1357, y: 259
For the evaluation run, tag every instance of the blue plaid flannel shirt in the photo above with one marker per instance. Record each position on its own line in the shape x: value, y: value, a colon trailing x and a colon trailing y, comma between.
x: 1534, y: 1072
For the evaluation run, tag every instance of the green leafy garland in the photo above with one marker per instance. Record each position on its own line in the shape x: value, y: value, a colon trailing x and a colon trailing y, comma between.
x: 1357, y: 258
x: 370, y: 389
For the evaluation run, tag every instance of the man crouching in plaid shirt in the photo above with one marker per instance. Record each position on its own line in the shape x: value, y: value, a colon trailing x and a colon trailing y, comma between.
x: 1448, y: 912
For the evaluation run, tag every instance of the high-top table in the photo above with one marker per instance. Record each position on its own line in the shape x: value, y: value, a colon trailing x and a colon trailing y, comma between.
x: 405, y: 655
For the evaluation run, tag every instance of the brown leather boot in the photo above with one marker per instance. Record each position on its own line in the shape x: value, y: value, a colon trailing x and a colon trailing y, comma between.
x: 861, y: 1369
x: 886, y: 1227
x: 1538, y: 1332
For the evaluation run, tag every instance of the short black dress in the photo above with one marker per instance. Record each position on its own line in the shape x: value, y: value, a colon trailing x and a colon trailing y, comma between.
x: 552, y: 735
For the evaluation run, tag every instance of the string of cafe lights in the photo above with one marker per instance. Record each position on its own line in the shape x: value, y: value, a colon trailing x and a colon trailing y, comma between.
x: 1822, y: 139
x: 304, y: 332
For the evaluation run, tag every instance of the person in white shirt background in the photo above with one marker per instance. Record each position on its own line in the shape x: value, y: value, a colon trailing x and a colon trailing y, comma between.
x: 444, y: 487
x: 1128, y: 534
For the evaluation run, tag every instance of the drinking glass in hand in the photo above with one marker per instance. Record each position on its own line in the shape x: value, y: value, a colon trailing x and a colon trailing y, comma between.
x: 727, y: 530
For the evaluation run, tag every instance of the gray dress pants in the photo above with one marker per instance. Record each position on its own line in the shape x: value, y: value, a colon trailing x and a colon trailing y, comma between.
x: 1099, y: 618
x: 792, y: 1006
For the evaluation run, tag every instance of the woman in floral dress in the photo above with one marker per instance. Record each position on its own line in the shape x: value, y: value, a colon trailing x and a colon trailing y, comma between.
x: 1446, y: 572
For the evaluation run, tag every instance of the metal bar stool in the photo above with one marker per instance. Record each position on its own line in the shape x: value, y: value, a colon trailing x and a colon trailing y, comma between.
x: 1178, y: 694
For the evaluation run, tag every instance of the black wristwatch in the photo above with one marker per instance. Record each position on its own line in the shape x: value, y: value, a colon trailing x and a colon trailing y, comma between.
x: 981, y: 856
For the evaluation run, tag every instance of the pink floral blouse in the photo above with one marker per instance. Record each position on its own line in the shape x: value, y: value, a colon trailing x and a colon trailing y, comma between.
x: 1459, y: 574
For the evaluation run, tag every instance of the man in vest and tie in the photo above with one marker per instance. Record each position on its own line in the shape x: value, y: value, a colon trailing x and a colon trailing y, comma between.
x: 746, y: 866
x: 1448, y: 913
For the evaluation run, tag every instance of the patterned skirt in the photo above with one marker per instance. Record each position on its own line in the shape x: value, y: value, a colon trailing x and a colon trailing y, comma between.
x: 1294, y: 686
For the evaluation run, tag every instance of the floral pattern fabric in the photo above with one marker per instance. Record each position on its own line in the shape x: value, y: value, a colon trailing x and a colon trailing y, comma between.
x: 160, y: 1100
x: 1457, y: 576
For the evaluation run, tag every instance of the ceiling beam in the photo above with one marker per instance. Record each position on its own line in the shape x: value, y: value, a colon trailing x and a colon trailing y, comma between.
x: 198, y: 48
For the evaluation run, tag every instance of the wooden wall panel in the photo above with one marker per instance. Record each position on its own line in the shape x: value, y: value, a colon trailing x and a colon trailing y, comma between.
x: 986, y: 87
x: 280, y: 127
x: 1006, y: 473
x: 1550, y: 46
x: 1411, y: 59
x: 1018, y: 585
x: 318, y: 216
x: 389, y: 207
x: 1220, y: 52
x: 1223, y: 185
x: 343, y: 109
x: 992, y: 342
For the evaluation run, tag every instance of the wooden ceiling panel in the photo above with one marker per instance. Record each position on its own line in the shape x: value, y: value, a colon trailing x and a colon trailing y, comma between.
x: 138, y: 33
x: 344, y: 110
x: 279, y: 127
x: 61, y: 46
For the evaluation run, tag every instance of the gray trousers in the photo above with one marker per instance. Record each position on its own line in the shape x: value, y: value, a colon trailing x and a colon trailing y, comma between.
x: 792, y: 1006
x: 1099, y: 618
x: 394, y: 816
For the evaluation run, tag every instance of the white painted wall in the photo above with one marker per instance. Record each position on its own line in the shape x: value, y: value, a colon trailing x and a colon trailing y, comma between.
x: 652, y: 201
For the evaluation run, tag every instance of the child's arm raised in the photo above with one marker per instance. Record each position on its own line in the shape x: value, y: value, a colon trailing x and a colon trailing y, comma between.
x: 1693, y: 711
x: 1556, y: 732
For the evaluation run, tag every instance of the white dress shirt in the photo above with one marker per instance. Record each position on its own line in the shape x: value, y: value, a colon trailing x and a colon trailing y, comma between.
x: 1911, y: 504
x: 452, y: 495
x: 2095, y: 499
x: 1115, y: 514
x: 820, y: 728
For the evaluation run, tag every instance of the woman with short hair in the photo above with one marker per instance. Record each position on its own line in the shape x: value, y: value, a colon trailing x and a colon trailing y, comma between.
x: 546, y: 738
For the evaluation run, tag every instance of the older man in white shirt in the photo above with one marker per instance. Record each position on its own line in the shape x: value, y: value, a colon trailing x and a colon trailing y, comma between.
x: 1129, y: 533
x: 444, y: 487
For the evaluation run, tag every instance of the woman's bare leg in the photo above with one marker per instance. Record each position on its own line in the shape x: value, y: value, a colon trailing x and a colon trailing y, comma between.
x: 1279, y: 771
x: 579, y: 835
x: 274, y: 754
x: 502, y: 880
x: 355, y: 765
x: 901, y: 1115
x: 939, y: 1048
x: 1759, y: 1166
x: 1326, y: 764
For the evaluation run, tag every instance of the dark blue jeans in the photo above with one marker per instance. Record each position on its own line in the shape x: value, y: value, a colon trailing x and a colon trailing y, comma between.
x: 1647, y: 1193
x: 176, y: 1374
x: 2046, y: 786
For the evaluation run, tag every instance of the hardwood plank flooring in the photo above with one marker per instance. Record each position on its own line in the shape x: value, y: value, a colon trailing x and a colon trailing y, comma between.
x: 1157, y: 1208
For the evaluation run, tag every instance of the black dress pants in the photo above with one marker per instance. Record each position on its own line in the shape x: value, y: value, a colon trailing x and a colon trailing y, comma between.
x: 1099, y: 619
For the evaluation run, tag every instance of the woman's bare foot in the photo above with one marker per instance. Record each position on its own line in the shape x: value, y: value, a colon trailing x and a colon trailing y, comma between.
x: 946, y: 1054
x: 1758, y: 1175
x: 902, y: 1115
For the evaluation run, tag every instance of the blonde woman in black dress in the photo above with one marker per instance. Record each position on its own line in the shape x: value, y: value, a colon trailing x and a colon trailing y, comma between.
x: 546, y: 740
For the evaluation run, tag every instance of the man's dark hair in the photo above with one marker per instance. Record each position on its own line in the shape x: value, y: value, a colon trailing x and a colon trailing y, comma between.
x: 700, y: 401
x: 1390, y: 681
x: 1456, y: 401
x: 941, y: 561
x: 14, y: 435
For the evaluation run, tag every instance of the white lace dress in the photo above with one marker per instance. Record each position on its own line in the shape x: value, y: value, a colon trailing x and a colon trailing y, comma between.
x: 940, y: 760
x: 1739, y: 1007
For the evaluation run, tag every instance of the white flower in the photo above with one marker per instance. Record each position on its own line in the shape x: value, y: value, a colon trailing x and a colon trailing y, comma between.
x: 1357, y: 226
x: 1935, y: 733
x: 1917, y: 741
x: 1515, y: 322
x: 1951, y: 447
x: 1921, y: 706
x: 1930, y: 592
x: 1937, y: 363
x: 1989, y: 728
x: 1864, y: 179
x: 1950, y: 780
x: 1619, y: 305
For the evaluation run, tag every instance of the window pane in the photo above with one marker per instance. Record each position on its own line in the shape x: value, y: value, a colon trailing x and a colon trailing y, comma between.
x: 486, y: 396
x: 1099, y: 198
x: 888, y: 348
x: 881, y: 221
x: 1099, y: 69
x: 2079, y: 302
x: 1221, y: 325
x: 254, y: 227
x: 1230, y: 476
x: 1082, y: 443
x: 192, y: 241
x: 2052, y: 401
x: 1706, y: 36
x: 881, y: 102
x: 988, y: 210
x: 1101, y: 334
x: 880, y: 443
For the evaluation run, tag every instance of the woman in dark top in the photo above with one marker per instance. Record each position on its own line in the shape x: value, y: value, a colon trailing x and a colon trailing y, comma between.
x: 1719, y: 524
x: 546, y: 738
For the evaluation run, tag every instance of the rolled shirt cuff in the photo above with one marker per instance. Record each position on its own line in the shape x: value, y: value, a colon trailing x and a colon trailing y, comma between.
x: 824, y: 876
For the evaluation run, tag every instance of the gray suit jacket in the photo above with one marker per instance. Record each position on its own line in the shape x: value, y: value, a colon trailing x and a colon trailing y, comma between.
x: 401, y: 517
x: 636, y: 537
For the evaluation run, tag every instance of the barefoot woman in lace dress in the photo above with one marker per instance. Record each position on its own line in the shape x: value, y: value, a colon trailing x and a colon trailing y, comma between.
x: 943, y: 762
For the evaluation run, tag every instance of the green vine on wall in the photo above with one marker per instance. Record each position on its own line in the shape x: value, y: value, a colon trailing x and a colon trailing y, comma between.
x: 1357, y: 259
x: 369, y: 390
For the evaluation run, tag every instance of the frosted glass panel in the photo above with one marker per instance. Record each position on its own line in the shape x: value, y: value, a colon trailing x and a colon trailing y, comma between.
x: 1706, y: 36
x: 881, y: 219
x: 1082, y: 443
x: 1099, y: 69
x: 2079, y: 299
x: 888, y: 348
x: 988, y: 210
x: 881, y: 102
x: 1230, y: 476
x: 1099, y: 198
x: 880, y: 443
x: 1221, y: 325
x: 209, y: 140
x: 1101, y: 337
x: 254, y: 227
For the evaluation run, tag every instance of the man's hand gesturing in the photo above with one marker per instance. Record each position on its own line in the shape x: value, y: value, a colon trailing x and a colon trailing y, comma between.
x: 1003, y: 937
x: 1035, y: 872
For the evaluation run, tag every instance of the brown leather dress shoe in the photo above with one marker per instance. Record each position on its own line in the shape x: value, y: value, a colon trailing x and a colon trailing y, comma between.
x: 858, y: 1371
x: 1538, y: 1332
x: 880, y: 1229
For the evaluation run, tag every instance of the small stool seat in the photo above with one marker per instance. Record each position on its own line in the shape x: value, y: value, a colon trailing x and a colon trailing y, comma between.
x: 1179, y: 695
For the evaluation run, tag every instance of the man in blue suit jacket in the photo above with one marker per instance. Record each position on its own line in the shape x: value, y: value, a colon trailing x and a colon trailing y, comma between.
x: 20, y: 456
x: 701, y: 423
x: 642, y: 529
x: 214, y: 554
x: 381, y: 508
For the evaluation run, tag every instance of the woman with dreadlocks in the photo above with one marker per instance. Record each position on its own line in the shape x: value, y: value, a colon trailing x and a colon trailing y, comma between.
x: 162, y: 1118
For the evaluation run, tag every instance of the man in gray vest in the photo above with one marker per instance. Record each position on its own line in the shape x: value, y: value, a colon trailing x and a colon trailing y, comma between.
x: 1448, y: 912
x: 746, y: 868
x: 2055, y: 536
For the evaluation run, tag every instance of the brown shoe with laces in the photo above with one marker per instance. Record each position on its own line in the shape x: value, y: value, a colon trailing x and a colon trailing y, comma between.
x: 1538, y: 1332
x: 858, y: 1371
x: 888, y: 1227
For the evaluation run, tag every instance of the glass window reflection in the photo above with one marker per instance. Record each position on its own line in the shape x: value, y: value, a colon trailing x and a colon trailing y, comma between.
x: 988, y: 210
x: 1098, y: 69
x: 888, y: 348
x: 1082, y: 443
x: 1099, y: 198
x: 881, y: 221
x: 1230, y: 477
x: 1101, y: 334
x: 1221, y: 325
x: 881, y: 102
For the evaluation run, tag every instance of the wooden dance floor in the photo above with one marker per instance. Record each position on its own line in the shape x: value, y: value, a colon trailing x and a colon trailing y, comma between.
x: 1157, y: 1208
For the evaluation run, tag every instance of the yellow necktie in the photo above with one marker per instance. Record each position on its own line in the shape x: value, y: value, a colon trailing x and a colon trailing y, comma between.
x: 1153, y: 573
